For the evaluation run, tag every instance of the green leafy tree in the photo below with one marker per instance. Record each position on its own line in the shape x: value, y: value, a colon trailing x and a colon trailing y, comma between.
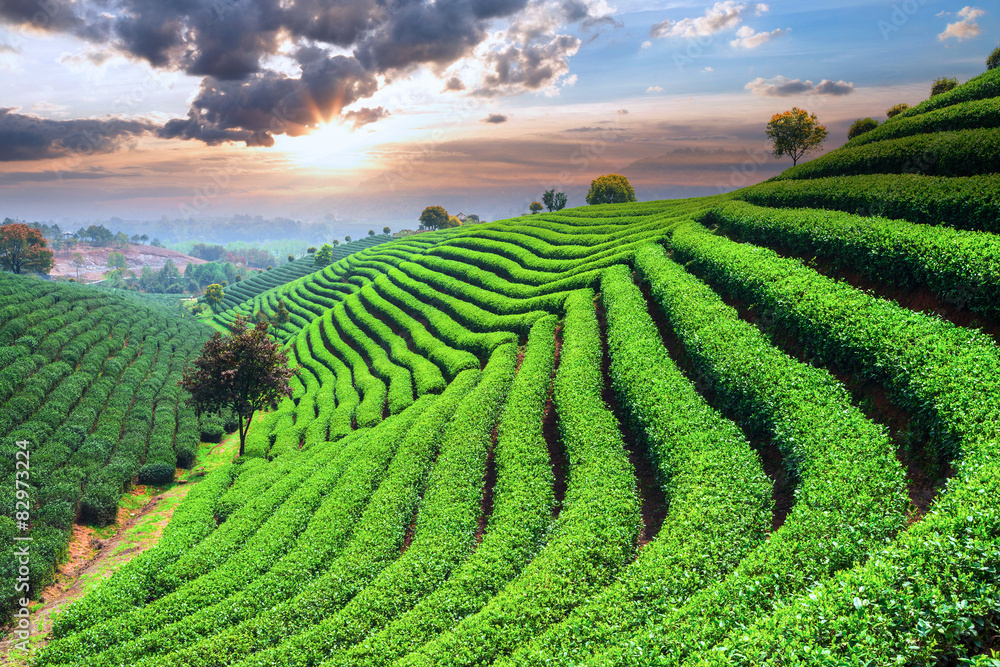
x: 325, y: 255
x: 169, y: 275
x: 371, y: 232
x: 943, y: 85
x: 311, y: 250
x: 22, y: 249
x: 386, y: 231
x: 336, y: 243
x: 535, y: 207
x: 795, y: 133
x: 433, y: 217
x: 472, y: 219
x: 554, y: 201
x: 116, y: 260
x: 214, y: 294
x: 144, y: 238
x: 610, y: 189
x: 291, y: 258
x: 242, y: 372
x: 347, y: 239
x: 78, y: 262
x: 860, y: 126
x: 281, y: 315
x: 896, y: 110
x: 993, y: 60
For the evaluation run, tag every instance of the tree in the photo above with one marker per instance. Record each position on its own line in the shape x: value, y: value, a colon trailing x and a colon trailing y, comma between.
x: 386, y: 231
x: 371, y: 232
x: 116, y: 260
x: 23, y: 249
x: 347, y: 239
x: 311, y: 250
x: 78, y: 262
x: 144, y: 238
x: 472, y: 219
x: 554, y: 201
x: 860, y: 126
x: 121, y: 240
x: 610, y: 189
x: 291, y: 258
x: 535, y: 207
x: 942, y: 85
x: 993, y: 60
x: 325, y: 255
x: 433, y: 217
x: 214, y: 294
x: 795, y: 133
x: 896, y: 110
x: 135, y: 238
x: 156, y: 243
x: 241, y: 373
x: 336, y: 243
x: 281, y: 315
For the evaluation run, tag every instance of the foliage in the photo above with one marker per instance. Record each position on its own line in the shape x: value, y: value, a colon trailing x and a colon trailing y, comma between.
x: 610, y: 189
x: 433, y: 217
x: 535, y: 207
x: 386, y: 230
x: 943, y: 85
x: 795, y: 133
x: 993, y: 60
x: 214, y: 294
x: 896, y: 109
x: 243, y: 372
x: 116, y: 260
x: 860, y: 126
x: 451, y: 223
x: 22, y: 249
x: 554, y: 201
x: 324, y: 256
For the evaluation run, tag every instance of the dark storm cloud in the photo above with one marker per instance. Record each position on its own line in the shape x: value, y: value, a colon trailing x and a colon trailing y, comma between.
x: 364, y: 116
x: 227, y: 43
x: 270, y: 103
x: 24, y: 137
x: 495, y: 119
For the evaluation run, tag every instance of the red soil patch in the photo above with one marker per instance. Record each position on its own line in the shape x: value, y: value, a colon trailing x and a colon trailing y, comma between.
x: 96, y: 260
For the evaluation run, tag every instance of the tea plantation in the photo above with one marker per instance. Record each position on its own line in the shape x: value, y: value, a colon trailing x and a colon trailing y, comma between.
x: 712, y: 431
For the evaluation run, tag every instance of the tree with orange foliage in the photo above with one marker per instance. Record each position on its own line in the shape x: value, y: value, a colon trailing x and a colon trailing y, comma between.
x: 22, y: 249
x: 795, y: 133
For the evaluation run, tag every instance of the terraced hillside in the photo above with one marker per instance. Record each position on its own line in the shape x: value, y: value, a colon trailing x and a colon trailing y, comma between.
x: 704, y: 432
x: 89, y: 379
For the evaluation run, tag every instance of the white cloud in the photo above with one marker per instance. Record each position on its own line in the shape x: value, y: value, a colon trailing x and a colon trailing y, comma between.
x: 647, y: 44
x: 781, y: 86
x: 748, y: 38
x: 964, y: 28
x: 654, y: 89
x: 708, y: 69
x: 720, y: 16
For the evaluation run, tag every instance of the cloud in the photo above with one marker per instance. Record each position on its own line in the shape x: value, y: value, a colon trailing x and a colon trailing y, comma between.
x: 748, y: 38
x: 964, y: 28
x: 495, y: 119
x: 781, y: 86
x: 708, y: 70
x: 645, y: 45
x: 346, y: 50
x: 654, y: 89
x: 25, y: 137
x: 720, y: 16
x: 364, y: 116
x: 623, y: 112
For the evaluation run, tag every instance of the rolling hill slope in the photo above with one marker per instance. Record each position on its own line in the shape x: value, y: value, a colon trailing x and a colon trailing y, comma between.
x: 709, y: 431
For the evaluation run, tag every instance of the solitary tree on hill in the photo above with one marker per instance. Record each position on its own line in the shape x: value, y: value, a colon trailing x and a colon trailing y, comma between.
x: 535, y: 207
x: 214, y: 294
x: 554, y: 201
x: 371, y: 232
x: 942, y: 85
x: 116, y: 260
x: 386, y: 231
x: 993, y: 60
x: 243, y: 372
x: 860, y: 126
x: 795, y: 133
x: 22, y: 249
x: 610, y: 189
x: 78, y: 262
x: 434, y: 217
x: 325, y: 255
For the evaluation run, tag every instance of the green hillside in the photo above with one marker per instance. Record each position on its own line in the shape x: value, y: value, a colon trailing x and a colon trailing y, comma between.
x: 755, y: 429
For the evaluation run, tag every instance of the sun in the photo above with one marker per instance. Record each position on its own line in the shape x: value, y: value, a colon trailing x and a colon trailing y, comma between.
x: 332, y: 146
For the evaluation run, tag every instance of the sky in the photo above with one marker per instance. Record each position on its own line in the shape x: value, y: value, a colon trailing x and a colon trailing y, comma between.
x: 370, y: 110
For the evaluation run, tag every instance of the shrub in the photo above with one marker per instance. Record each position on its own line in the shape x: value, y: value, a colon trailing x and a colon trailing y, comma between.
x: 860, y: 126
x: 896, y: 110
x: 157, y: 474
x: 212, y: 432
x: 993, y: 61
x: 943, y: 85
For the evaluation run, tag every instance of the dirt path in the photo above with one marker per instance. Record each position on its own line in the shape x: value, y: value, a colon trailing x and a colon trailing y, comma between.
x: 92, y: 559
